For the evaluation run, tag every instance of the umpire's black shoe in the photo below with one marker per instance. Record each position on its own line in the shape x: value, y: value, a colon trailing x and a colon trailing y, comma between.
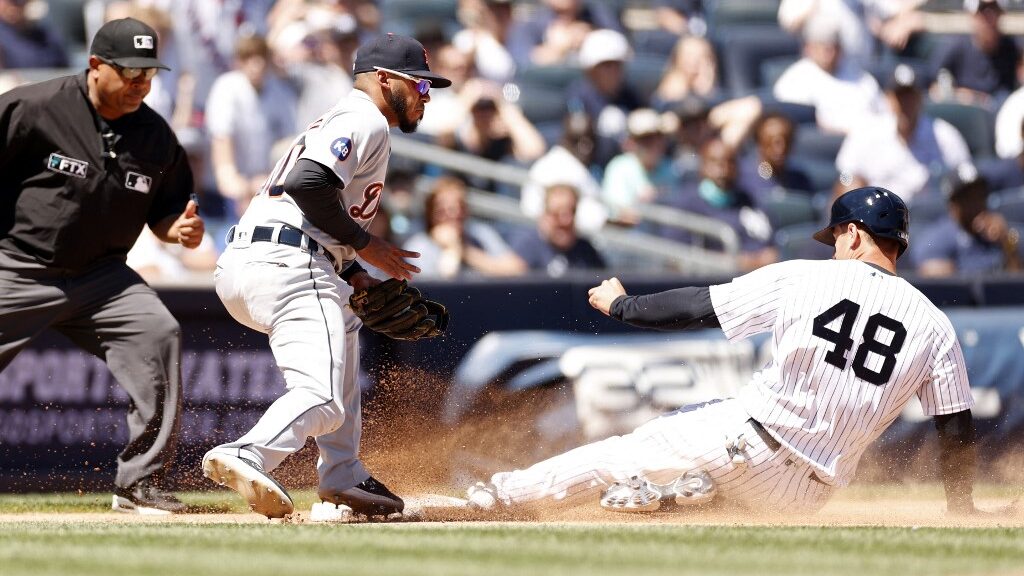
x: 369, y: 497
x: 145, y: 497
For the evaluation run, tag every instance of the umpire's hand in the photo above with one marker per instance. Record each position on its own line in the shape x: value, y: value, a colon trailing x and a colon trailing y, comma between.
x: 186, y: 229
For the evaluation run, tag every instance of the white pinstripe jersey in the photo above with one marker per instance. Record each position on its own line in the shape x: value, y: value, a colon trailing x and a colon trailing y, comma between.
x: 353, y: 140
x: 850, y: 345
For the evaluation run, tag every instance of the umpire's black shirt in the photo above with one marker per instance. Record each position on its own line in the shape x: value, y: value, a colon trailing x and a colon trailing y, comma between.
x: 71, y: 198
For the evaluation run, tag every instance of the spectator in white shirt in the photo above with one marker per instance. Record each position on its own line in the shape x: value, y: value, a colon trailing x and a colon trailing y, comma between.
x: 249, y: 109
x: 842, y: 94
x: 904, y: 151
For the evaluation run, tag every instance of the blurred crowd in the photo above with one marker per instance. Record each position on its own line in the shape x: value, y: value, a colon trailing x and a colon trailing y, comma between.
x: 638, y: 115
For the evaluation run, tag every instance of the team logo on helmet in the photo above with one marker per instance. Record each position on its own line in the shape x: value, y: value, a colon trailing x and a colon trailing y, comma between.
x: 341, y: 148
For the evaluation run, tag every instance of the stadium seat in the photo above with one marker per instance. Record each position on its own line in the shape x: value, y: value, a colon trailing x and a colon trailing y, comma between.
x: 822, y: 173
x: 417, y: 10
x: 554, y: 77
x: 797, y: 242
x: 742, y: 12
x: 644, y: 73
x: 542, y: 105
x: 785, y: 209
x: 654, y: 42
x: 926, y: 209
x: 742, y: 49
x: 773, y: 68
x: 1009, y: 203
x: 811, y: 143
x: 977, y: 125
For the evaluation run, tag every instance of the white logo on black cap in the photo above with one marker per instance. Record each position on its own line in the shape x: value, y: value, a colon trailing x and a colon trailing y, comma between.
x: 144, y: 42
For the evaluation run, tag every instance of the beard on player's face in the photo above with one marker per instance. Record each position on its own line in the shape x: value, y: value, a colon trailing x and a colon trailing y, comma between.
x: 398, y: 104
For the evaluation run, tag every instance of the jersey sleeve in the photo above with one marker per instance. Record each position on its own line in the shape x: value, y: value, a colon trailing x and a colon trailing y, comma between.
x: 750, y: 303
x: 345, y: 144
x: 948, y: 391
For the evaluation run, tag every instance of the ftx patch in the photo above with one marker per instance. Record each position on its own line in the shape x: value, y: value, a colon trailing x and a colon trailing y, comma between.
x: 68, y: 166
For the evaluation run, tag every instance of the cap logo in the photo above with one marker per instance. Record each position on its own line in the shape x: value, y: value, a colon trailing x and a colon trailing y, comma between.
x: 144, y: 42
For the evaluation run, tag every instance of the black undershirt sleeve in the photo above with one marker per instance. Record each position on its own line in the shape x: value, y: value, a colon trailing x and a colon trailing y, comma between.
x: 687, y: 308
x: 315, y: 190
x: 957, y: 455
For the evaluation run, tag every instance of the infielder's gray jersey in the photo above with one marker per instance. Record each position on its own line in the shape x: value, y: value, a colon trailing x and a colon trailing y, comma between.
x: 851, y: 344
x: 352, y: 139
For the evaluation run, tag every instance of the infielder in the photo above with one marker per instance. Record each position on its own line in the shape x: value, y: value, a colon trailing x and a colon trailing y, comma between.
x: 851, y: 343
x: 280, y: 275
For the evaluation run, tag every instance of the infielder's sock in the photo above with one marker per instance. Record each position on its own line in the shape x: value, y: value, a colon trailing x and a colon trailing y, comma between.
x: 146, y: 498
x: 369, y: 497
x: 263, y: 493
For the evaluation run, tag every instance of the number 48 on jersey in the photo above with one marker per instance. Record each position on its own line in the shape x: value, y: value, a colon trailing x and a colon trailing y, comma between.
x: 848, y: 310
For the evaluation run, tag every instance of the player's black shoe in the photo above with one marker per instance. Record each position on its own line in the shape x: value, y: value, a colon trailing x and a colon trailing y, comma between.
x: 369, y: 497
x: 145, y: 497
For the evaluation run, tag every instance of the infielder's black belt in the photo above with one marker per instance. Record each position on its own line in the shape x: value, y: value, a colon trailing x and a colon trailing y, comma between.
x: 289, y: 236
x: 768, y: 439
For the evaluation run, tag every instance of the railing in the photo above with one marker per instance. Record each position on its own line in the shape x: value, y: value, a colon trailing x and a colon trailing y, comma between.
x: 692, y: 259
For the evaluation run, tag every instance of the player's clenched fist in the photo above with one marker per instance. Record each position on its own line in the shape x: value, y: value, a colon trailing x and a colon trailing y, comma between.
x: 601, y: 297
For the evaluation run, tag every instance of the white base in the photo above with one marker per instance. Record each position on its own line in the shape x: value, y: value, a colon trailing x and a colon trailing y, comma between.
x: 328, y: 512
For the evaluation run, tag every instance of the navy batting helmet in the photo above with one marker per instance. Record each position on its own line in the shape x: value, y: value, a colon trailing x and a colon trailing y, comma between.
x: 883, y: 213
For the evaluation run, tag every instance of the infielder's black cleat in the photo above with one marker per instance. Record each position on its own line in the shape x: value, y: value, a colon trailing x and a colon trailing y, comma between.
x: 369, y: 497
x: 145, y: 497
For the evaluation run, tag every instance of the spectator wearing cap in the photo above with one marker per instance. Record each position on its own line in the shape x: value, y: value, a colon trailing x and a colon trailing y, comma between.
x: 554, y: 246
x: 842, y: 93
x: 971, y: 239
x: 717, y: 195
x: 984, y: 64
x: 28, y: 43
x: 603, y: 92
x: 769, y: 168
x: 904, y: 149
x: 643, y: 171
x: 693, y: 130
x: 555, y: 32
x: 248, y: 111
x: 569, y: 162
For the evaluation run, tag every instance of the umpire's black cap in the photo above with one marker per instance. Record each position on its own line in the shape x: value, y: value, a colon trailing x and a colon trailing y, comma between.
x: 883, y: 213
x: 398, y: 53
x: 128, y: 43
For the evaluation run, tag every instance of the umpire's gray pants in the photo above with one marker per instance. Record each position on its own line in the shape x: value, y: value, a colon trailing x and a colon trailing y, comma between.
x: 110, y: 312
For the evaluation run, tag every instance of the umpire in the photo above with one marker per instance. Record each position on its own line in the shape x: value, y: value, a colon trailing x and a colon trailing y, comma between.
x: 84, y: 164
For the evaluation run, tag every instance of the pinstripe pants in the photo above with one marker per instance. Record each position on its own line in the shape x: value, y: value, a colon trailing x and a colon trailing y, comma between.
x: 693, y: 438
x: 298, y: 300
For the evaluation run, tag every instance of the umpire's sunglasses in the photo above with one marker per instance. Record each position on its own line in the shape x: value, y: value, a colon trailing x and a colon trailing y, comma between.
x: 130, y: 73
x: 422, y: 86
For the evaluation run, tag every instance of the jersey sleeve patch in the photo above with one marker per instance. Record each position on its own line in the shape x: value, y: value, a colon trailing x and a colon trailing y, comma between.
x: 341, y: 148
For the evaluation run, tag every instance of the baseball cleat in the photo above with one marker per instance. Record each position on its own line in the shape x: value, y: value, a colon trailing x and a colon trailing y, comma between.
x: 693, y: 489
x: 263, y: 493
x: 636, y: 495
x: 146, y: 499
x: 369, y: 497
x: 482, y: 497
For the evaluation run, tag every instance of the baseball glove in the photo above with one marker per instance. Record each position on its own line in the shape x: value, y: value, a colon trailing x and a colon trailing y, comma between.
x: 399, y: 311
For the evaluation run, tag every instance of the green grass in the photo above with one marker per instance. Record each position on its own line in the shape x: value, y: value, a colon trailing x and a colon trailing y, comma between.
x: 63, y: 547
x: 39, y: 549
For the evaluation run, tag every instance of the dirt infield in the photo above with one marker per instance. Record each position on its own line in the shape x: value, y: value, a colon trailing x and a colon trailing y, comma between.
x: 893, y: 512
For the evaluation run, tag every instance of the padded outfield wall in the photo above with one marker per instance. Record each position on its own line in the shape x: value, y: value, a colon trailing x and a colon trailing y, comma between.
x: 62, y: 415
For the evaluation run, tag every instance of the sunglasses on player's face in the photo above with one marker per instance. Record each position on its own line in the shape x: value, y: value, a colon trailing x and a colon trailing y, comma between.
x: 422, y: 86
x: 131, y: 73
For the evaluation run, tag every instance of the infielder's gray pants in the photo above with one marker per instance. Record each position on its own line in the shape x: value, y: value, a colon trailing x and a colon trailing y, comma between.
x: 111, y: 313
